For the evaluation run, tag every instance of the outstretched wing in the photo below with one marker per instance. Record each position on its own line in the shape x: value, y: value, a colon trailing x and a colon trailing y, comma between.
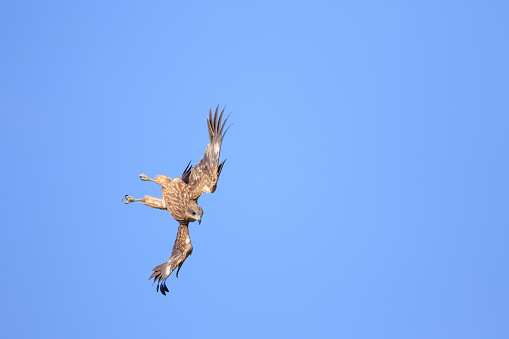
x: 204, y: 176
x: 181, y: 250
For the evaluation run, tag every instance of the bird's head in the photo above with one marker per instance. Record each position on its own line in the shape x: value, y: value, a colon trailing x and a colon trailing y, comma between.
x: 194, y: 213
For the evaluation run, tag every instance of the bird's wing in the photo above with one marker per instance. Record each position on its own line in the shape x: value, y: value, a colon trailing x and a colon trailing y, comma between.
x: 181, y: 250
x: 204, y: 176
x: 187, y: 173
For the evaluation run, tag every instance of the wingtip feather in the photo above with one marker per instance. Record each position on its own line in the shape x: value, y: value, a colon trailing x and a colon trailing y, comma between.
x: 222, y: 137
x: 215, y: 116
x: 222, y: 127
x: 219, y: 122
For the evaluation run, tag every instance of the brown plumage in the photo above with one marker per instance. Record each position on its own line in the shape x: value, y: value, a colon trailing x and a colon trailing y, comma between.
x: 181, y: 250
x: 180, y: 197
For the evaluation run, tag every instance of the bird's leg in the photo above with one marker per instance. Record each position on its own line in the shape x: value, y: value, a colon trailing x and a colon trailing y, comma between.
x: 147, y: 200
x: 146, y: 178
x: 162, y: 180
x: 130, y: 199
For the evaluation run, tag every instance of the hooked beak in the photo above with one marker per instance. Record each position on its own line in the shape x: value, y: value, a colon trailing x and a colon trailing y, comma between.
x: 199, y: 221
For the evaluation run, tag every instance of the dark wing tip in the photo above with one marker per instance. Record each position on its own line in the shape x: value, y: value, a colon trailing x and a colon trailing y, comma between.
x: 220, y: 168
x: 222, y: 136
x: 215, y: 115
x: 164, y: 288
x: 187, y: 173
x: 216, y: 126
x: 158, y: 278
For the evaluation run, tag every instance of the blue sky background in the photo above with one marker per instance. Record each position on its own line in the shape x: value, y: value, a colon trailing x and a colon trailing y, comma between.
x: 365, y: 193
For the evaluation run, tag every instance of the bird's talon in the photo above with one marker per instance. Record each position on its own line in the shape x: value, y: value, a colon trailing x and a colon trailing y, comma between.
x: 128, y: 199
x: 144, y: 177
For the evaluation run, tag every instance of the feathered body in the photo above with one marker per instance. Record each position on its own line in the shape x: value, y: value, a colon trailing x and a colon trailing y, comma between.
x: 180, y: 197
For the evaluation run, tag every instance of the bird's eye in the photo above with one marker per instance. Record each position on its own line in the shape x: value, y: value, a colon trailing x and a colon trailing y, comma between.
x: 194, y: 213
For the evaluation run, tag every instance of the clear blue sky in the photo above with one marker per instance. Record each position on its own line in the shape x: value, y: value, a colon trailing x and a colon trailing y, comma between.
x: 365, y: 193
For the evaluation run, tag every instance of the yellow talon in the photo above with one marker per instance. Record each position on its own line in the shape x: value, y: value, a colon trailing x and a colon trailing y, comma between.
x: 129, y: 199
x: 145, y: 178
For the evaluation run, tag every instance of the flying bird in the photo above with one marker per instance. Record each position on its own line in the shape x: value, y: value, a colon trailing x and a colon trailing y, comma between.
x: 180, y: 198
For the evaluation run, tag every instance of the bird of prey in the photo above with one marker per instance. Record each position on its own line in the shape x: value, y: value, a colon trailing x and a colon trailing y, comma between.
x: 180, y: 198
